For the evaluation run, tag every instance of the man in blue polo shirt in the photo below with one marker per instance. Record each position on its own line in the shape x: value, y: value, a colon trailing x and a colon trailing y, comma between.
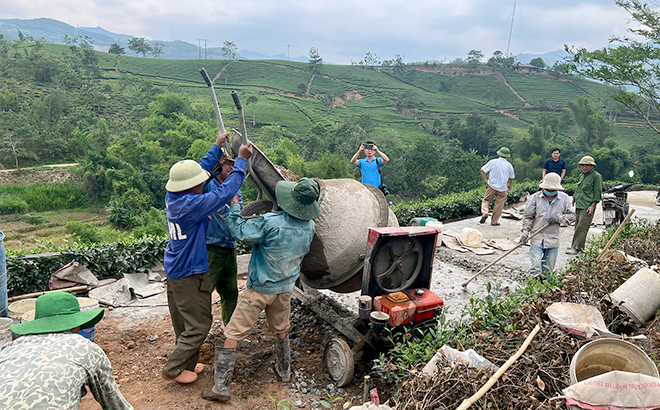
x: 554, y: 164
x: 369, y: 166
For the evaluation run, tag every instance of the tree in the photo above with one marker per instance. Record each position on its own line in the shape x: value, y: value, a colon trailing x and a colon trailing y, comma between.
x: 315, y: 60
x: 634, y: 62
x: 474, y: 58
x: 327, y: 101
x: 157, y: 49
x: 538, y: 62
x: 371, y: 59
x: 116, y: 49
x: 12, y: 145
x: 229, y: 50
x: 139, y: 45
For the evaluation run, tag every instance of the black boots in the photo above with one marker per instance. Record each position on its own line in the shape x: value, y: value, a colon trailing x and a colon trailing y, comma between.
x: 283, y: 362
x: 225, y: 359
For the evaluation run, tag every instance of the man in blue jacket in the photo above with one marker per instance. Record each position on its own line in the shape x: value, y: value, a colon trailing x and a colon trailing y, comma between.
x: 220, y: 245
x: 189, y: 286
x: 281, y: 241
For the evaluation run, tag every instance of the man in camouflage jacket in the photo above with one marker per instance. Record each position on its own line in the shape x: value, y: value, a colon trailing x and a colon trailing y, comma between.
x: 51, y: 364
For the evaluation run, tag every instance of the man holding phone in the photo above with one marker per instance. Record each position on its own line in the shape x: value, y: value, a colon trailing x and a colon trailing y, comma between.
x: 370, y: 166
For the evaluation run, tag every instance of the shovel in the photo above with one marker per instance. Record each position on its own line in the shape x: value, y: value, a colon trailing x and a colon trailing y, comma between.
x: 505, y: 254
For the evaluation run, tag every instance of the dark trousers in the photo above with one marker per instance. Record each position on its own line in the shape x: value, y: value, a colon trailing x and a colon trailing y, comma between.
x: 189, y: 300
x: 223, y: 271
x: 582, y: 224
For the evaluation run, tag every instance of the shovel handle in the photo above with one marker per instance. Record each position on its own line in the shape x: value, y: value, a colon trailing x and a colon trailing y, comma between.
x: 216, y: 107
x: 618, y: 231
x: 503, y: 255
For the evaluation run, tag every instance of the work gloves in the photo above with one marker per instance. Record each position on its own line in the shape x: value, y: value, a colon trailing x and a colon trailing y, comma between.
x: 523, y: 240
x: 552, y: 220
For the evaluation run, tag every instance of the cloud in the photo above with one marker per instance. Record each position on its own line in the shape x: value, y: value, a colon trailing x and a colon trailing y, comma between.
x: 343, y: 30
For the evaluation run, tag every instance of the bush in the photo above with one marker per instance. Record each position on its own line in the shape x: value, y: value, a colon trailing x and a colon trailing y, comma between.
x: 129, y: 209
x: 456, y: 205
x: 17, y: 199
x: 35, y: 219
x: 83, y: 233
x: 12, y: 205
x: 154, y: 224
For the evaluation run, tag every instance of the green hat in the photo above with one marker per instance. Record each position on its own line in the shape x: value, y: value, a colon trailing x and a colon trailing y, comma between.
x: 504, y: 152
x: 186, y: 174
x: 299, y: 198
x: 57, y: 312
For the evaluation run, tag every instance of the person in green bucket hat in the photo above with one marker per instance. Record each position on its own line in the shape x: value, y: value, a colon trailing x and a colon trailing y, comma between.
x: 49, y: 365
x: 281, y: 240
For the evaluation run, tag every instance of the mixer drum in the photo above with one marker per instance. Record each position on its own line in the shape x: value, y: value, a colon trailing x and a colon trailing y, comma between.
x: 336, y: 256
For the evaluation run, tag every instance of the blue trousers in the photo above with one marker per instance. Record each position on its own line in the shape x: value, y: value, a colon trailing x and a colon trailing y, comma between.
x: 541, y: 259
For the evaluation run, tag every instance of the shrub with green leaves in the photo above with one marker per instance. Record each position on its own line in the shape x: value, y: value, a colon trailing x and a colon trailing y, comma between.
x: 455, y: 205
x: 16, y: 199
x: 12, y: 205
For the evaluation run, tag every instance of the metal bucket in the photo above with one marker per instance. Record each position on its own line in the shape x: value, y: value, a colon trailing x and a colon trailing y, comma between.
x: 638, y: 296
x: 605, y: 355
x: 336, y: 256
x: 3, y: 277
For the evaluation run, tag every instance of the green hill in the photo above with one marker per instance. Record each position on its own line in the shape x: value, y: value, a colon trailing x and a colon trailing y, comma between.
x: 438, y: 122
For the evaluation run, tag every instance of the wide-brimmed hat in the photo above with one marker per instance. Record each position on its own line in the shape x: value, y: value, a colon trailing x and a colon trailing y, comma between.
x: 58, y: 312
x: 552, y: 182
x: 186, y: 174
x: 299, y: 198
x: 587, y: 160
x: 504, y: 152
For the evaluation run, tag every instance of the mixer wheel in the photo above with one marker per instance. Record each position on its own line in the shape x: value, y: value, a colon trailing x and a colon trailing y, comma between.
x: 338, y: 360
x: 397, y: 264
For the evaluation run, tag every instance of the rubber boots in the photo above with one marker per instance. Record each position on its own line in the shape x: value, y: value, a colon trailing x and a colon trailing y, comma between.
x: 225, y: 359
x: 283, y: 362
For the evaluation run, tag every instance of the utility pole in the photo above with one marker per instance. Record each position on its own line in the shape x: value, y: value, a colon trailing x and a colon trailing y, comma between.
x: 287, y: 51
x: 199, y: 48
x: 205, y: 40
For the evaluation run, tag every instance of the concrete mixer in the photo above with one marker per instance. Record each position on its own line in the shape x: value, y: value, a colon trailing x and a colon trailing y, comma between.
x: 358, y: 245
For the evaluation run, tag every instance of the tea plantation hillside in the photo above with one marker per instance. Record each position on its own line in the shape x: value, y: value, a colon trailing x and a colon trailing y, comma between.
x: 127, y: 119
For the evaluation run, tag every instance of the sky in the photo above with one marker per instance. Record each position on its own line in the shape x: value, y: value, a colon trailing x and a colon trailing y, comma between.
x: 344, y: 30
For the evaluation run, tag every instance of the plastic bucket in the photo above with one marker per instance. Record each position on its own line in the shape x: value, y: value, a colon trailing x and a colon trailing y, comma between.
x: 439, y: 226
x: 638, y: 296
x: 3, y: 277
x: 18, y: 308
x: 28, y: 316
x: 88, y: 304
x: 605, y: 355
x: 421, y: 221
x: 5, y: 331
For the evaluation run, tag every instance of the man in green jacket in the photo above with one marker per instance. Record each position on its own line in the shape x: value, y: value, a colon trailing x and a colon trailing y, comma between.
x: 585, y: 198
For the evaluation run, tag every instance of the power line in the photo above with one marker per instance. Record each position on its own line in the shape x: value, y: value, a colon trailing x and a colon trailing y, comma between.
x: 511, y: 28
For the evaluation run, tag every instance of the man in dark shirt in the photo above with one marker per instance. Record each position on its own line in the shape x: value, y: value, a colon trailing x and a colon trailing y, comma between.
x: 554, y: 164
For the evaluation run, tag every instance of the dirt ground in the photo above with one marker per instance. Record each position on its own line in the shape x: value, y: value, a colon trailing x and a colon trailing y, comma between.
x: 138, y: 340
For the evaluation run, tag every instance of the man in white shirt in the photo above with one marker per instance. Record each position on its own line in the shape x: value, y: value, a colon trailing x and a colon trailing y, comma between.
x: 500, y: 177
